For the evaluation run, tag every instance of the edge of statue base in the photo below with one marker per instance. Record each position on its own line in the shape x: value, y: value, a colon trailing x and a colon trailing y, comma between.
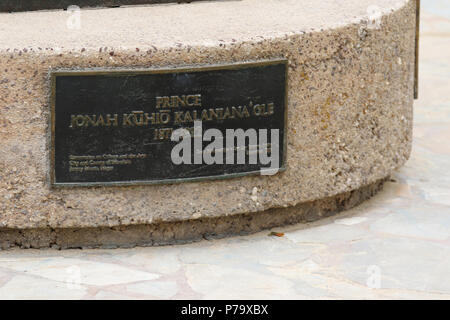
x: 186, y: 231
x: 349, y: 116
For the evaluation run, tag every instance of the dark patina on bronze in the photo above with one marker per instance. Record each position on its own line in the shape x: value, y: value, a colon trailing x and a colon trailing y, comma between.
x: 31, y: 5
x: 113, y: 127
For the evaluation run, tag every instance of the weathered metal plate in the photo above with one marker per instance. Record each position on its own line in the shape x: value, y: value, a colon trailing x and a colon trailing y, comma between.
x: 31, y: 5
x: 113, y: 127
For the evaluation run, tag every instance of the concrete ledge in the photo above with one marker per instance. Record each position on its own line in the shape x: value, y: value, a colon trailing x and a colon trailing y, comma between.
x: 184, y: 231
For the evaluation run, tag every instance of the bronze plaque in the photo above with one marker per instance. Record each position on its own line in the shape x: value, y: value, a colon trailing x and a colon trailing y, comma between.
x: 116, y: 127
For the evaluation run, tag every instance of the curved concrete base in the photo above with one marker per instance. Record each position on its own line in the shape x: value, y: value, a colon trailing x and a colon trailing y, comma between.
x: 185, y: 231
x: 349, y: 115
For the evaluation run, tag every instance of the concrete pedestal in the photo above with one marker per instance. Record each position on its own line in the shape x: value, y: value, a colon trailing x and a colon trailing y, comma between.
x: 351, y: 78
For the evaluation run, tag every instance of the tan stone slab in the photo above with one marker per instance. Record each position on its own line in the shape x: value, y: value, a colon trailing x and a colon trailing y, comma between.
x: 195, y: 24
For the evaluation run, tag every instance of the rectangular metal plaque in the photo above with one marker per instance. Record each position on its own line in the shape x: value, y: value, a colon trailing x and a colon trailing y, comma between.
x: 114, y: 127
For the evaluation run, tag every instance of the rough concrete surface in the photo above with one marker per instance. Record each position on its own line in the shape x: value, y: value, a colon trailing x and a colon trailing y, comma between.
x: 184, y: 231
x: 349, y: 115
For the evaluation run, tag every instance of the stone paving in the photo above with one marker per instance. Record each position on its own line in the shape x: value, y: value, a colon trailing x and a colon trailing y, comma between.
x: 396, y: 245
